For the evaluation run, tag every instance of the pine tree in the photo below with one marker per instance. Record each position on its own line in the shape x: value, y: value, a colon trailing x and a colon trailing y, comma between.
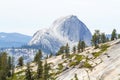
x: 103, y: 38
x: 74, y: 49
x: 82, y: 46
x: 12, y: 67
x: 40, y: 70
x: 61, y: 50
x: 3, y: 66
x: 40, y: 67
x: 28, y: 74
x: 96, y: 38
x: 20, y: 61
x: 113, y: 35
x: 79, y: 46
x: 9, y: 66
x: 38, y: 56
x: 97, y: 32
x: 46, y: 71
x: 67, y: 50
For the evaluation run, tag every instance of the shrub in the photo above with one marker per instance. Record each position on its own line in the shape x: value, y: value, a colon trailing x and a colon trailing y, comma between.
x: 78, y: 58
x: 87, y: 65
x: 60, y: 66
x: 72, y: 64
x: 104, y: 47
x: 96, y: 54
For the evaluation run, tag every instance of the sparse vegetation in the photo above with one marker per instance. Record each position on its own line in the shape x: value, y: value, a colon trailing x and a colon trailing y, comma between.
x: 60, y: 66
x: 44, y: 71
x: 76, y: 60
x: 103, y: 48
x: 87, y: 65
x: 72, y: 64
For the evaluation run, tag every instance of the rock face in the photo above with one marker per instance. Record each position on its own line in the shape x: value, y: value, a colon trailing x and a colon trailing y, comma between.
x: 64, y: 30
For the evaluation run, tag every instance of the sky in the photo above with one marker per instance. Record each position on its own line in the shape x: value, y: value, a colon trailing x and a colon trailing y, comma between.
x: 28, y: 16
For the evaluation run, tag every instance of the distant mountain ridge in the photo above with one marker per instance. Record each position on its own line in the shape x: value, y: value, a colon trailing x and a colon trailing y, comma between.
x: 64, y: 30
x: 13, y: 39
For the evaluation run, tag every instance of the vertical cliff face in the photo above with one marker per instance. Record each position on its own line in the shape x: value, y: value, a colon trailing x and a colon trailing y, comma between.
x: 64, y: 30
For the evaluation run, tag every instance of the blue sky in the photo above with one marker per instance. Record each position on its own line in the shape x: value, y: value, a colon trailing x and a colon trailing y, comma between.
x: 28, y: 16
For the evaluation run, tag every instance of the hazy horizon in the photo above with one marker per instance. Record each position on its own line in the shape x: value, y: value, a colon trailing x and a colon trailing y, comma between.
x: 28, y: 16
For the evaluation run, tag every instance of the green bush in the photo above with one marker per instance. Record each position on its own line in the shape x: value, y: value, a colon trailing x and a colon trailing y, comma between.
x: 76, y: 61
x: 78, y: 58
x: 72, y: 64
x: 96, y: 54
x: 104, y: 47
x: 60, y: 66
x: 87, y: 65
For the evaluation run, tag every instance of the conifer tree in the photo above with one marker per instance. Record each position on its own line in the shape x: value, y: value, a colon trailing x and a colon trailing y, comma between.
x: 46, y: 71
x: 4, y: 69
x: 20, y: 61
x: 113, y: 35
x: 79, y: 46
x: 74, y: 49
x: 38, y: 56
x: 28, y: 74
x: 9, y: 67
x: 96, y: 38
x: 61, y: 50
x: 97, y: 32
x: 40, y: 70
x: 82, y: 46
x: 40, y: 67
x: 67, y: 50
x: 103, y: 38
x: 12, y: 67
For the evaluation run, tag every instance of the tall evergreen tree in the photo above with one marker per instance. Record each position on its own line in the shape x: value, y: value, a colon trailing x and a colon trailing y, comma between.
x: 79, y: 47
x: 103, y: 38
x: 38, y: 56
x: 82, y: 46
x: 96, y: 38
x: 61, y: 50
x: 74, y: 49
x: 4, y: 67
x: 28, y: 74
x: 9, y: 66
x: 113, y: 35
x: 20, y: 61
x: 46, y: 71
x: 97, y: 32
x: 12, y: 67
x: 40, y: 70
x: 40, y: 67
x: 67, y: 50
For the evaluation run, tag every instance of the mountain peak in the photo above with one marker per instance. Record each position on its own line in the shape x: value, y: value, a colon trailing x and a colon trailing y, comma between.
x: 64, y: 30
x: 71, y: 16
